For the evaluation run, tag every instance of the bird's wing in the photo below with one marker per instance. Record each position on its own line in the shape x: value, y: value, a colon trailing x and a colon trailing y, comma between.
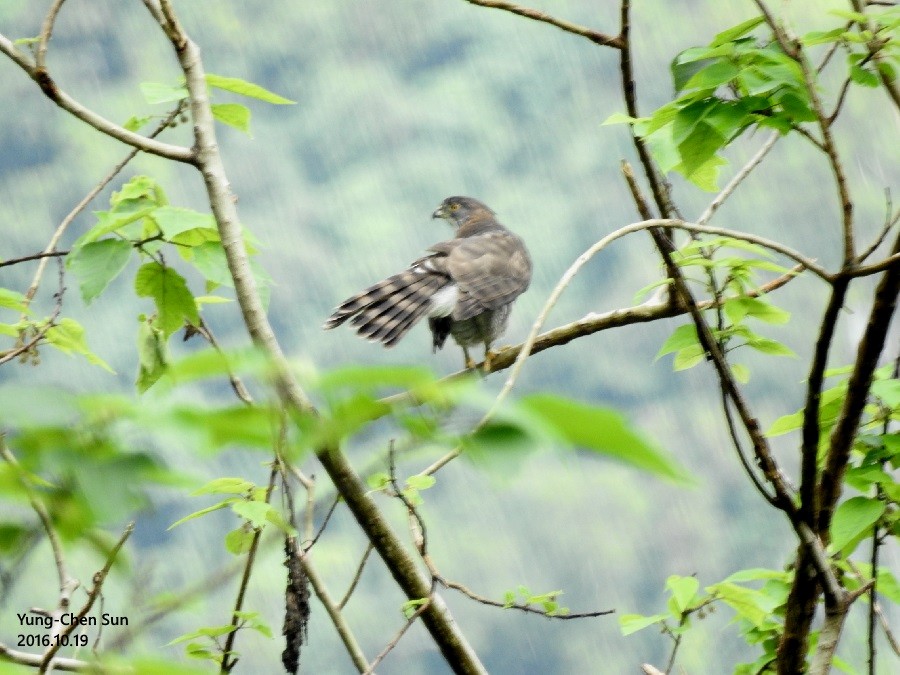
x: 491, y: 270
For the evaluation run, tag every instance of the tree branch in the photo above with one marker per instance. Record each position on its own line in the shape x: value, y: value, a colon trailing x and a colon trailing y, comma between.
x: 436, y: 615
x: 594, y: 36
x: 101, y: 124
x: 844, y: 431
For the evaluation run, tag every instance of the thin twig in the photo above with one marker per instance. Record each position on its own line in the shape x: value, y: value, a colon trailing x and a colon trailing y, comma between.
x: 229, y: 661
x: 237, y: 384
x: 738, y: 178
x: 46, y: 32
x: 334, y: 613
x: 396, y: 639
x: 528, y: 609
x: 594, y: 36
x: 793, y: 50
x: 63, y: 100
x: 328, y: 514
x: 890, y: 220
x: 93, y: 594
x: 356, y: 576
x: 34, y: 256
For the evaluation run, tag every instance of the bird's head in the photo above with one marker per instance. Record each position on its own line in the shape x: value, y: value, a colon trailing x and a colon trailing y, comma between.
x: 458, y: 210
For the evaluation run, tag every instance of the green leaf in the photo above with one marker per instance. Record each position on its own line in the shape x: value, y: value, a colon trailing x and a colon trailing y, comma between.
x: 683, y: 336
x: 684, y: 589
x: 68, y: 337
x: 853, y: 518
x: 738, y: 31
x: 632, y: 623
x: 211, y: 631
x: 97, y: 263
x: 818, y: 37
x: 741, y: 372
x: 770, y: 346
x: 233, y: 114
x: 244, y: 88
x: 378, y: 480
x: 174, y: 303
x: 157, y: 92
x: 602, y: 430
x: 12, y: 300
x: 698, y: 148
x: 202, y: 512
x: 706, y: 175
x: 864, y: 77
x: 411, y: 606
x: 153, y: 355
x: 740, y: 307
x: 239, y: 540
x: 420, y: 481
x: 225, y: 486
x: 888, y: 391
x: 752, y: 605
x: 256, y: 512
x: 618, y: 118
x: 134, y: 123
x: 662, y: 147
x: 210, y: 261
x: 786, y: 423
x: 755, y: 574
x: 113, y: 221
x: 688, y: 357
x: 173, y: 220
x: 713, y: 75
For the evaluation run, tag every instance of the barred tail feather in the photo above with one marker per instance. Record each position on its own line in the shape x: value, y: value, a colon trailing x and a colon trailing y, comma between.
x: 399, y: 322
x: 360, y: 301
x: 387, y: 311
x: 370, y: 318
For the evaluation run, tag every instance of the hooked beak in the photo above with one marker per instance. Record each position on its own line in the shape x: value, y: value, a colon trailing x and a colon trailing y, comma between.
x: 439, y: 212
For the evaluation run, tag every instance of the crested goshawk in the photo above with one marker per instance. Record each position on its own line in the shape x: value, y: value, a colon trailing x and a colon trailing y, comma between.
x: 465, y: 286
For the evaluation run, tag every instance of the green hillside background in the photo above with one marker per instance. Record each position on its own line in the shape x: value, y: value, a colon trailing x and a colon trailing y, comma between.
x: 400, y: 104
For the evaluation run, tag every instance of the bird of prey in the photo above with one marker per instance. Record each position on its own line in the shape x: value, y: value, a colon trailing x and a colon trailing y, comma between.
x: 466, y: 286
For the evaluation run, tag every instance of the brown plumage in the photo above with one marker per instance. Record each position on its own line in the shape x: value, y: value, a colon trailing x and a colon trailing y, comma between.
x: 466, y: 285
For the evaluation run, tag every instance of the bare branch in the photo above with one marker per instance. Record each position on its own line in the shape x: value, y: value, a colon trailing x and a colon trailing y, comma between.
x: 36, y: 660
x: 792, y: 48
x: 738, y: 178
x: 841, y: 440
x: 34, y: 256
x: 874, y: 268
x: 88, y: 116
x: 890, y: 219
x: 396, y: 639
x: 46, y: 32
x: 228, y: 660
x: 594, y: 36
x: 356, y: 577
x: 334, y: 613
x: 93, y: 594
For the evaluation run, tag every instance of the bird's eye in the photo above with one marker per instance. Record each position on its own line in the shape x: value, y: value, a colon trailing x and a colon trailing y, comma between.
x: 454, y: 206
